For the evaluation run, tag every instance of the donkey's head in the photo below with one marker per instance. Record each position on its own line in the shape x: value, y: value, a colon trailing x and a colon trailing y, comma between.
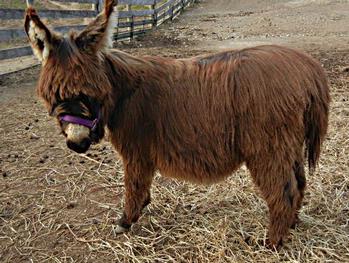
x: 73, y: 80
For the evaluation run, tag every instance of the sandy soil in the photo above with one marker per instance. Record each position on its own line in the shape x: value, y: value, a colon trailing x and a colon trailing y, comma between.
x: 58, y: 206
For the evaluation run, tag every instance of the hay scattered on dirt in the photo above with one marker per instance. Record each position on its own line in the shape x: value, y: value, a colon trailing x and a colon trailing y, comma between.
x: 58, y: 206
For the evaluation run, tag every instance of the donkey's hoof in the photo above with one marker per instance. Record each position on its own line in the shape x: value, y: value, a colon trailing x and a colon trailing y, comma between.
x: 296, y: 222
x: 120, y: 229
x: 273, y: 245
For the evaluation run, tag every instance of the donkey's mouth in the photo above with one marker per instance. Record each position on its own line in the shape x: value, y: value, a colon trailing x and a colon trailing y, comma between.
x: 80, y: 147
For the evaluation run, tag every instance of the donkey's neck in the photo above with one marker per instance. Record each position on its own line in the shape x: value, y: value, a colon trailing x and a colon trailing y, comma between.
x: 132, y: 72
x: 125, y: 71
x: 137, y: 81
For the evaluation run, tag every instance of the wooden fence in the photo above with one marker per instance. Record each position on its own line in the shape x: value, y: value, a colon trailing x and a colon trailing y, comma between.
x: 133, y: 18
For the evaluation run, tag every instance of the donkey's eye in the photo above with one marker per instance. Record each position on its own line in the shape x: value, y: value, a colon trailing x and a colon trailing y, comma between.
x: 84, y: 110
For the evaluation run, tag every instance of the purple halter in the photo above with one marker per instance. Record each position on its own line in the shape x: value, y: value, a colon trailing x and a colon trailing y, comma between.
x: 91, y: 124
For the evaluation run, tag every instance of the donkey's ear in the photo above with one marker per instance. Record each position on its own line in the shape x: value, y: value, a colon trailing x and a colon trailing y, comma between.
x: 40, y: 37
x: 98, y: 34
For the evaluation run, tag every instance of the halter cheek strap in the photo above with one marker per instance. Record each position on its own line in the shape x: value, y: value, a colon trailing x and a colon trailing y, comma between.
x: 91, y: 124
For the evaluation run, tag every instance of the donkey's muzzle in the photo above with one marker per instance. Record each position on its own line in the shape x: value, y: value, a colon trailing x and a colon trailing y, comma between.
x: 80, y: 147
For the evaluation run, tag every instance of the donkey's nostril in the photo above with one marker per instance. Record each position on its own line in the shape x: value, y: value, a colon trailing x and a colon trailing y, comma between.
x: 80, y: 147
x: 85, y: 144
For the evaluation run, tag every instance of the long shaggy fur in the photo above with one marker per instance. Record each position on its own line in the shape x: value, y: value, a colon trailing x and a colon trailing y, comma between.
x: 200, y: 119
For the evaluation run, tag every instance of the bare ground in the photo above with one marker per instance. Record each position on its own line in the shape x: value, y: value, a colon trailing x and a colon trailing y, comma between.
x: 58, y: 206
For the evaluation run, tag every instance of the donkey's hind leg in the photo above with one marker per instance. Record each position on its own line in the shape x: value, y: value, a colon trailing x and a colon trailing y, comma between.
x: 278, y: 185
x: 298, y: 171
x: 138, y: 179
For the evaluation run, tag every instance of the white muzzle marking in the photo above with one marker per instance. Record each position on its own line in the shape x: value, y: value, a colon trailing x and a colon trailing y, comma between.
x: 76, y: 133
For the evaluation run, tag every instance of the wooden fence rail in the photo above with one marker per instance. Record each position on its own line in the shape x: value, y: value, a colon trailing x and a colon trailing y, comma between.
x: 131, y: 22
x: 10, y: 14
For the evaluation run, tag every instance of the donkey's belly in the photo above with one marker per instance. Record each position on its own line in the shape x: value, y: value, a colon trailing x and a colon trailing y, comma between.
x: 198, y: 168
x: 197, y: 178
x: 200, y: 149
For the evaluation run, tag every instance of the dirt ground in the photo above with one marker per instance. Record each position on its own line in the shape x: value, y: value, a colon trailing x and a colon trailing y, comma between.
x: 58, y: 206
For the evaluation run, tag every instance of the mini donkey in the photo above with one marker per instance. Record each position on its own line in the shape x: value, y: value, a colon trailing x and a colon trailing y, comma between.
x: 197, y: 119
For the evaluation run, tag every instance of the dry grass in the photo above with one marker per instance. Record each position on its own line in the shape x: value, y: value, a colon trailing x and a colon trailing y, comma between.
x: 57, y: 206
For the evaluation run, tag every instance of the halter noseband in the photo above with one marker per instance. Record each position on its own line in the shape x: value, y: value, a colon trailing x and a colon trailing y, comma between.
x: 91, y: 124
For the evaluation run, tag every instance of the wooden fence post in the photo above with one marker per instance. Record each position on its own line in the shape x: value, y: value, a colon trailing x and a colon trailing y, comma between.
x: 132, y: 27
x: 172, y: 7
x: 130, y: 19
x: 30, y: 2
x: 155, y: 15
x: 116, y: 30
x: 100, y: 5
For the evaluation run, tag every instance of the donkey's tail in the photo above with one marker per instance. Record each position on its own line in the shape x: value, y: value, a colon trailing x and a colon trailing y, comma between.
x: 316, y: 120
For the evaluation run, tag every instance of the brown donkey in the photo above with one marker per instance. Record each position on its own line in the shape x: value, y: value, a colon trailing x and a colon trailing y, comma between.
x: 196, y: 119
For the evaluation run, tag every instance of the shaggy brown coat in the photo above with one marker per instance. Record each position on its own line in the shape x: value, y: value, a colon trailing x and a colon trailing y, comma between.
x: 196, y: 119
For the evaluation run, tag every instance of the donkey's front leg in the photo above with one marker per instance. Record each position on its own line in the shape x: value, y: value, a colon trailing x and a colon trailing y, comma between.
x: 138, y: 179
